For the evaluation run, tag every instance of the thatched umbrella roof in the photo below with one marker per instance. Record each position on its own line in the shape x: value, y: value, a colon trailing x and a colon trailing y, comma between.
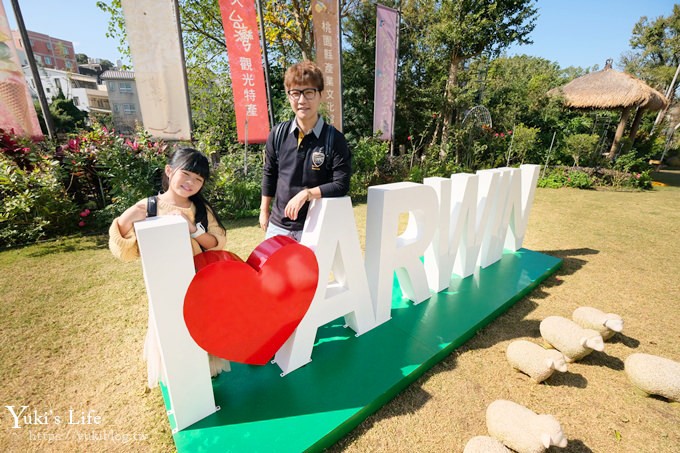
x: 611, y: 89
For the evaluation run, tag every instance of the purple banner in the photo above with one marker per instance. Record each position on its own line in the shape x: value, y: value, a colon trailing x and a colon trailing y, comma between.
x: 387, y: 31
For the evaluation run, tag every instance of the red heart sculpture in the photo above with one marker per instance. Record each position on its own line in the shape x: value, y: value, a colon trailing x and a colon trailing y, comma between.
x: 244, y: 312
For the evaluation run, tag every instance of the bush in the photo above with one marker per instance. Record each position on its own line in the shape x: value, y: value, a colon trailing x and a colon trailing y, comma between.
x: 369, y: 155
x: 522, y: 144
x: 233, y: 192
x: 107, y: 173
x: 35, y: 204
x: 561, y: 177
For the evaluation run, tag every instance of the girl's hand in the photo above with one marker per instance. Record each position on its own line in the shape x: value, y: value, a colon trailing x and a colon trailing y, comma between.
x: 131, y: 215
x: 192, y: 225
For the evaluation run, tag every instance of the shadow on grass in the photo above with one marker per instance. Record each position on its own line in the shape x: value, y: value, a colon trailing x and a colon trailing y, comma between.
x: 603, y: 359
x: 567, y: 379
x: 575, y: 446
x: 570, y: 261
x: 67, y: 245
x: 625, y: 340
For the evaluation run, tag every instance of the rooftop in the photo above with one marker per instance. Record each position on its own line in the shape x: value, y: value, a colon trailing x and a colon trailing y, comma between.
x: 111, y: 75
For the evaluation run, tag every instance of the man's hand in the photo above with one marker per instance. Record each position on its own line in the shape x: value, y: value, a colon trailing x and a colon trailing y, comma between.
x: 296, y: 203
x: 264, y: 219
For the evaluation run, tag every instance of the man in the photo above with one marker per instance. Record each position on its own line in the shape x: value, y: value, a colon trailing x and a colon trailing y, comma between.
x: 301, y: 169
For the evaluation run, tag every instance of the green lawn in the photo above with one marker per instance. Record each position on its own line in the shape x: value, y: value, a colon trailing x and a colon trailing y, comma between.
x: 73, y: 319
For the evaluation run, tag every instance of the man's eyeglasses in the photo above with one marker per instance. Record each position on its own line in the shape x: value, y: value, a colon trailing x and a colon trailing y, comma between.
x: 308, y: 93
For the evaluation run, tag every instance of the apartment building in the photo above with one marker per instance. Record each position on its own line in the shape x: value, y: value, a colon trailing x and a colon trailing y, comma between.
x: 49, y: 52
x: 123, y: 99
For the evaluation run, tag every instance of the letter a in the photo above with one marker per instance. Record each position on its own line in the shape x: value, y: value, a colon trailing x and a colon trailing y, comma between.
x: 330, y: 231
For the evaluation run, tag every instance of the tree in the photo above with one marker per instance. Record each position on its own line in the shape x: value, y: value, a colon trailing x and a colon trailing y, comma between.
x: 656, y: 53
x: 580, y: 146
x: 656, y: 49
x: 462, y: 30
x: 81, y: 58
x: 65, y: 115
x: 106, y: 65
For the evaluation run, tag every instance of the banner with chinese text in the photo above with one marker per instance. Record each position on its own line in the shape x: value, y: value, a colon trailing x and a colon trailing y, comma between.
x: 152, y: 28
x: 247, y: 74
x: 326, y: 18
x: 387, y: 30
x: 16, y: 105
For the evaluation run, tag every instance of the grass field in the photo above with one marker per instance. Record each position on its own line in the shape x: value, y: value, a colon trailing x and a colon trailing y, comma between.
x: 73, y: 319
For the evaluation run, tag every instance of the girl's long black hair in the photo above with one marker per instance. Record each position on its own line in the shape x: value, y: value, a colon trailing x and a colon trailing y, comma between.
x: 189, y: 159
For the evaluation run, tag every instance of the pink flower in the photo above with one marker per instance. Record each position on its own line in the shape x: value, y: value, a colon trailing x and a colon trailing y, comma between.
x: 81, y: 223
x: 496, y: 134
x: 134, y: 145
x: 87, y: 211
x: 637, y: 175
x: 502, y: 135
x: 74, y: 144
x: 509, y: 132
x: 83, y: 214
x: 409, y: 138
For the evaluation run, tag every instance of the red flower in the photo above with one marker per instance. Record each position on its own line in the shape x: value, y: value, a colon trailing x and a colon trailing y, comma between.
x: 502, y: 135
x: 409, y: 138
x: 81, y: 223
x: 86, y: 211
x: 74, y: 144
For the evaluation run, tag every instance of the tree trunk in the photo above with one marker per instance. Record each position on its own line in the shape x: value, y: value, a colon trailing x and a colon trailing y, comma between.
x: 447, y: 114
x: 619, y: 132
x: 634, y: 129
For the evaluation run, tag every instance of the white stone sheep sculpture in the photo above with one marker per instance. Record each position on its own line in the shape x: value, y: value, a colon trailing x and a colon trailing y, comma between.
x: 534, y: 360
x: 654, y: 375
x: 607, y: 324
x: 485, y: 444
x: 569, y: 338
x: 521, y: 429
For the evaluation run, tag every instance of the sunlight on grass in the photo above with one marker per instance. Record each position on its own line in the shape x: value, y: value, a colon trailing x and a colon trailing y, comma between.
x: 74, y: 318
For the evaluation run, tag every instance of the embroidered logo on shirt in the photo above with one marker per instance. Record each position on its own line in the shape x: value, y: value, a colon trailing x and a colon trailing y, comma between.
x: 318, y: 158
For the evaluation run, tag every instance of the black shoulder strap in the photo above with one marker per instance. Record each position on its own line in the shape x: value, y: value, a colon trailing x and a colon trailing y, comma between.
x: 152, y: 206
x: 328, y: 146
x: 280, y: 131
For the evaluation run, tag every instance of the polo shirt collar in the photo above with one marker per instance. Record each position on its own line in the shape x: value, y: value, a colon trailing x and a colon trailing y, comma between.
x: 318, y: 127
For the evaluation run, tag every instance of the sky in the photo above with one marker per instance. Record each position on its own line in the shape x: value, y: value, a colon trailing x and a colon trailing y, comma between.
x: 588, y: 32
x: 570, y: 32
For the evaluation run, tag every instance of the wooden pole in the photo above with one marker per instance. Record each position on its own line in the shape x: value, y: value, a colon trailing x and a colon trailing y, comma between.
x: 619, y: 132
x: 669, y: 98
x: 34, y: 70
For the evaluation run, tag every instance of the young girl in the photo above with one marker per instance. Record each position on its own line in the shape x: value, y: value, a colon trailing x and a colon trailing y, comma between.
x: 185, y: 174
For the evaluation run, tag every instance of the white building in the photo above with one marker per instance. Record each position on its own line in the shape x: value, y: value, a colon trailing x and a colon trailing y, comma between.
x: 87, y: 95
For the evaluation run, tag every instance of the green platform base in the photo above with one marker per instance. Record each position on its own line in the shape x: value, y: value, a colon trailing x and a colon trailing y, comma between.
x: 351, y: 377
